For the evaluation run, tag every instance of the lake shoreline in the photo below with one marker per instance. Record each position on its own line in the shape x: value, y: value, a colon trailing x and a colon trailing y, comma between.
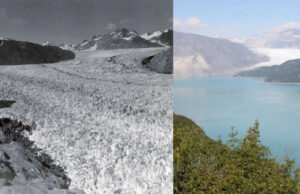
x: 217, y: 103
x: 267, y: 82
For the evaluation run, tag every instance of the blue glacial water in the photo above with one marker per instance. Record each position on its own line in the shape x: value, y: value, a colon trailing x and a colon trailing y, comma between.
x: 217, y: 104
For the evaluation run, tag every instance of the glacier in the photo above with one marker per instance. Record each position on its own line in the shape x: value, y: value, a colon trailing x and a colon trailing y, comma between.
x: 102, y: 116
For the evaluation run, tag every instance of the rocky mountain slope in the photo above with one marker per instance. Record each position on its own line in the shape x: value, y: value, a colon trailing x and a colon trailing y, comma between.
x: 160, y: 63
x: 288, y: 72
x: 119, y: 39
x: 164, y: 38
x: 122, y: 39
x: 24, y: 168
x: 196, y: 55
x: 14, y: 52
x: 47, y: 43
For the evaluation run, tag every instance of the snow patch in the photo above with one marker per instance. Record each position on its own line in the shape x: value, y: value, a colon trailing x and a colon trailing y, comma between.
x: 47, y: 43
x: 148, y: 36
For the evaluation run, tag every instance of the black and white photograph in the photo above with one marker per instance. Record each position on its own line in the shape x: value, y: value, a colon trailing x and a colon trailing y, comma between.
x: 86, y: 103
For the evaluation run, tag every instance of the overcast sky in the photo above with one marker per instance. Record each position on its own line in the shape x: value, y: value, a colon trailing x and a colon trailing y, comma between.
x: 72, y: 21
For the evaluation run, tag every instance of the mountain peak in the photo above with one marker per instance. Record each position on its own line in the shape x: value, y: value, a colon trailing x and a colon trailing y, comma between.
x: 285, y: 36
x: 47, y: 43
x: 123, y: 30
x: 164, y: 38
x: 119, y: 39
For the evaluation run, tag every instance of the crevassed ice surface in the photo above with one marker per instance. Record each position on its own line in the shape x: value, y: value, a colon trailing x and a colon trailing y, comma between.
x: 103, y: 116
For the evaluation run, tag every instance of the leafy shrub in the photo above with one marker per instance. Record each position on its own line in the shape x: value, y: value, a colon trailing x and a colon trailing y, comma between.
x: 202, y: 165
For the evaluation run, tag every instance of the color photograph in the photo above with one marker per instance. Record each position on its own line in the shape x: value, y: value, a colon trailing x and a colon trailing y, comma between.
x: 236, y: 96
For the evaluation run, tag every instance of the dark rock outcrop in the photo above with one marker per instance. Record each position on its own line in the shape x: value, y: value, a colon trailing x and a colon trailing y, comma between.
x: 6, y: 103
x: 160, y: 63
x: 23, y: 167
x: 167, y: 37
x: 164, y: 38
x: 14, y: 52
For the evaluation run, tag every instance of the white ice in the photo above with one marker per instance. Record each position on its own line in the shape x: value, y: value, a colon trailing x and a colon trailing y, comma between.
x: 103, y: 116
x: 277, y: 56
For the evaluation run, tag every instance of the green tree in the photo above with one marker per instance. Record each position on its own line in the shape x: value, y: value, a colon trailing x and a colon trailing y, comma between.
x: 242, y: 165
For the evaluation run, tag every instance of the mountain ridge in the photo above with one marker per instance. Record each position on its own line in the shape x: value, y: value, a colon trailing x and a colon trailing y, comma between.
x: 287, y: 72
x: 13, y: 52
x: 198, y: 55
x: 121, y: 39
x: 164, y: 38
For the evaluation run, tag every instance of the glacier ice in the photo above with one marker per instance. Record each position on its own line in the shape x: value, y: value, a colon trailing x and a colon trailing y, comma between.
x: 103, y: 116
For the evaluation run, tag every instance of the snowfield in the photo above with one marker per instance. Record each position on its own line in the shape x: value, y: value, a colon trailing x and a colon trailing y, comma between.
x: 103, y: 116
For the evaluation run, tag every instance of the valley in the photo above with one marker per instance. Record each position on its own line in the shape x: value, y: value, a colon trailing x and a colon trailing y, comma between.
x: 103, y: 116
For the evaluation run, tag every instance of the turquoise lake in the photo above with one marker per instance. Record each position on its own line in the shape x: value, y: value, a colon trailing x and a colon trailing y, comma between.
x: 217, y: 104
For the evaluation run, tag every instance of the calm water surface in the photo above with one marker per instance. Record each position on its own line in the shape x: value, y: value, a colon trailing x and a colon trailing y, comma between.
x: 216, y: 104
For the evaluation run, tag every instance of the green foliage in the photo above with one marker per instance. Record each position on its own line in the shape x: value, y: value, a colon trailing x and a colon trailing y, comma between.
x: 202, y: 165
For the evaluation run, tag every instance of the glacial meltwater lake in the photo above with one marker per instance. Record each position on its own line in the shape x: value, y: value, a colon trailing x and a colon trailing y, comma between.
x: 216, y: 104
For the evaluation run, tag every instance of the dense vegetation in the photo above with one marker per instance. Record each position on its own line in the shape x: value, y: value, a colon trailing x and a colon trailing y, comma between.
x: 288, y: 72
x: 202, y: 165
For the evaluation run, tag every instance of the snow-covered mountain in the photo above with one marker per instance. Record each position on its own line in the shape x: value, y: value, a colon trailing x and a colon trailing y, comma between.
x: 119, y: 39
x: 165, y: 38
x: 67, y: 46
x: 47, y: 43
x: 285, y: 36
x: 123, y: 38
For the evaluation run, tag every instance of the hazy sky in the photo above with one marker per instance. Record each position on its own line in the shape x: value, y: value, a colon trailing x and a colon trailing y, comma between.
x: 72, y: 21
x: 234, y: 18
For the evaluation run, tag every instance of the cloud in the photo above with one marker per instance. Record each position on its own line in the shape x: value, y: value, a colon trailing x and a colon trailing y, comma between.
x: 286, y: 26
x: 192, y: 24
x: 4, y: 17
x: 2, y: 12
x: 111, y: 26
